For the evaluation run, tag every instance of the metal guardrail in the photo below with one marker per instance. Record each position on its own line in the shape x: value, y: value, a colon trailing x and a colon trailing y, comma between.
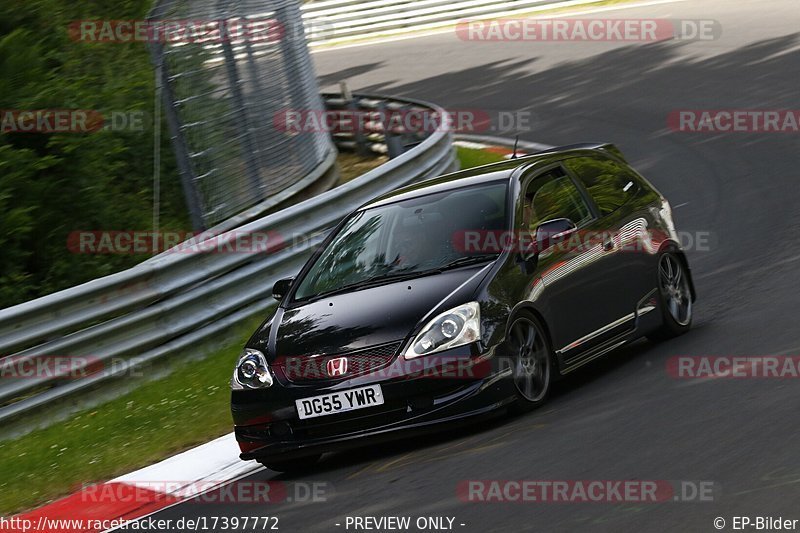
x: 178, y: 298
x: 336, y: 21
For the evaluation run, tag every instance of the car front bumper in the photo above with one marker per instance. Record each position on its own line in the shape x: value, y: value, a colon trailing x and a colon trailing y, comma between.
x: 267, y: 425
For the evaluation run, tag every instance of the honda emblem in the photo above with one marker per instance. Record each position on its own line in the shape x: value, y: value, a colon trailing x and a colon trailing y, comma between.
x: 337, y: 367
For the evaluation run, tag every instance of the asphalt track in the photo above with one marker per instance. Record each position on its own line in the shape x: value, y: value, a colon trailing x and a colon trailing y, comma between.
x: 623, y: 417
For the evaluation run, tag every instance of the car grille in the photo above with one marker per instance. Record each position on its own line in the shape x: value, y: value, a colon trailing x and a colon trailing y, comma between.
x: 304, y: 369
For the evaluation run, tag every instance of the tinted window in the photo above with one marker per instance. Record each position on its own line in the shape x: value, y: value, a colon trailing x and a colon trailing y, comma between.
x: 608, y: 182
x: 409, y: 236
x: 553, y: 195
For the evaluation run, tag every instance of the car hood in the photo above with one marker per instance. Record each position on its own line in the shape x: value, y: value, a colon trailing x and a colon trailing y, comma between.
x: 363, y: 318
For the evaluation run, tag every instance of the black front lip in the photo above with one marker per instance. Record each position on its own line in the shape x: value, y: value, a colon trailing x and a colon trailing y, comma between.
x: 446, y: 402
x: 375, y: 437
x: 436, y: 422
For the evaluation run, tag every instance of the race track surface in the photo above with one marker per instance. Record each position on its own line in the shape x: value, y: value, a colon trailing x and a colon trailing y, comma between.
x: 624, y: 417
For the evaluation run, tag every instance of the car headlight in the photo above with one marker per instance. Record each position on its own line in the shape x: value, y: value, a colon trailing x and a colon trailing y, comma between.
x: 252, y: 371
x: 456, y: 327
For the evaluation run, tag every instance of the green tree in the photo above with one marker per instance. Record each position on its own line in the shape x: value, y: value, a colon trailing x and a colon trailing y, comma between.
x: 55, y: 184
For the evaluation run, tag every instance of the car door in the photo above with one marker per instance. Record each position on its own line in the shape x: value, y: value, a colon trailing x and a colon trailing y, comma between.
x: 571, y: 270
x: 613, y: 190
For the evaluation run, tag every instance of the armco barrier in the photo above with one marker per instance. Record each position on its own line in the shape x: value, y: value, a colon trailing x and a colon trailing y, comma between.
x: 174, y: 300
x: 341, y: 21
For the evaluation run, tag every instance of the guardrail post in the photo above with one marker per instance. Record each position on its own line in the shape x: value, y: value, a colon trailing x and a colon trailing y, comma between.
x: 351, y: 104
x: 394, y: 142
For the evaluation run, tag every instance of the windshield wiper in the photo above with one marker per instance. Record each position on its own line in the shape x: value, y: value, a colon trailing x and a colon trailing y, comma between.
x: 366, y: 283
x: 380, y: 279
x: 468, y: 260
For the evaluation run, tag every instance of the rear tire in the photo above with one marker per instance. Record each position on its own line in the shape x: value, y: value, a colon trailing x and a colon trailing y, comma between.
x: 531, y: 357
x: 298, y: 465
x: 674, y: 296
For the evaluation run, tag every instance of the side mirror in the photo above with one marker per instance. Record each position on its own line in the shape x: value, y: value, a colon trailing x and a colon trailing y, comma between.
x: 281, y: 287
x: 551, y: 231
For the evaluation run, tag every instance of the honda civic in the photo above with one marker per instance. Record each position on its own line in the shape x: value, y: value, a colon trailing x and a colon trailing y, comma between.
x: 462, y: 296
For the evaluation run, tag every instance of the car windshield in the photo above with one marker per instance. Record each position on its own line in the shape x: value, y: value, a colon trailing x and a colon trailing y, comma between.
x: 407, y: 237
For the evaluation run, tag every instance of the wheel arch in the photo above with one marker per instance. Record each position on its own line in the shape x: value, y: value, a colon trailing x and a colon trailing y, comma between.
x: 530, y: 308
x: 675, y: 248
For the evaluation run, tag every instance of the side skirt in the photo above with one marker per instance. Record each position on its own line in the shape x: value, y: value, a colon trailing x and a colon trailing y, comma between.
x: 628, y: 329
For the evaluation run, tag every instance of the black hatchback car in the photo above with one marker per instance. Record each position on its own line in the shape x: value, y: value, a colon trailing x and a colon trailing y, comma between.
x: 463, y: 295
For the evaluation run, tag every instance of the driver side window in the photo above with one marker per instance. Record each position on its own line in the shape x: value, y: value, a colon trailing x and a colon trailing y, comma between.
x: 553, y: 195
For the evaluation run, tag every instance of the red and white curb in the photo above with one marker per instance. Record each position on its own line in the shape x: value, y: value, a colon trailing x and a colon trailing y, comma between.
x: 140, y: 493
x: 500, y: 150
x: 498, y: 145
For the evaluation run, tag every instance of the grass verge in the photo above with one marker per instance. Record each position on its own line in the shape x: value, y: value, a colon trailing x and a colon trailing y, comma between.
x: 188, y: 407
x: 475, y: 157
x: 352, y: 165
x: 160, y: 418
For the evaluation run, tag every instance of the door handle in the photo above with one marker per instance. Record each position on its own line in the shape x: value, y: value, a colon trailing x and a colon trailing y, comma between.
x: 608, y: 243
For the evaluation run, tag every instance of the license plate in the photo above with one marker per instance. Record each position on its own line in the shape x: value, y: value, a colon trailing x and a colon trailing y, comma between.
x: 339, y: 402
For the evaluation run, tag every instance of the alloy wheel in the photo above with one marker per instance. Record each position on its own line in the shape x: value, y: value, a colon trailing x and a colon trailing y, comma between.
x: 674, y: 286
x: 531, y: 359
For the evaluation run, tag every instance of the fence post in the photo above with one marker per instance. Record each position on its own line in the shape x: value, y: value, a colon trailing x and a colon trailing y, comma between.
x: 239, y: 104
x: 185, y: 169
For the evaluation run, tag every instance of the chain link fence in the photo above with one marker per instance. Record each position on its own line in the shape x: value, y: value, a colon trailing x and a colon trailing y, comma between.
x: 227, y: 68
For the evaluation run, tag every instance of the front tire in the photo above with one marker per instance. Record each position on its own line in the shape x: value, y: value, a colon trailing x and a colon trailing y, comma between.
x: 292, y: 466
x: 531, y: 358
x: 674, y: 298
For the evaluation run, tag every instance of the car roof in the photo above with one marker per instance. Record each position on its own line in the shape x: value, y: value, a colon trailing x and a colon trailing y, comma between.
x: 500, y: 171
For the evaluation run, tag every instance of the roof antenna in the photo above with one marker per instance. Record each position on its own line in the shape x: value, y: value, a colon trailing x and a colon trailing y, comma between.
x: 516, y: 142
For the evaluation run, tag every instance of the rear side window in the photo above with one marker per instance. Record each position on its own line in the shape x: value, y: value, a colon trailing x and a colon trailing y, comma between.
x: 553, y: 195
x: 610, y: 184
